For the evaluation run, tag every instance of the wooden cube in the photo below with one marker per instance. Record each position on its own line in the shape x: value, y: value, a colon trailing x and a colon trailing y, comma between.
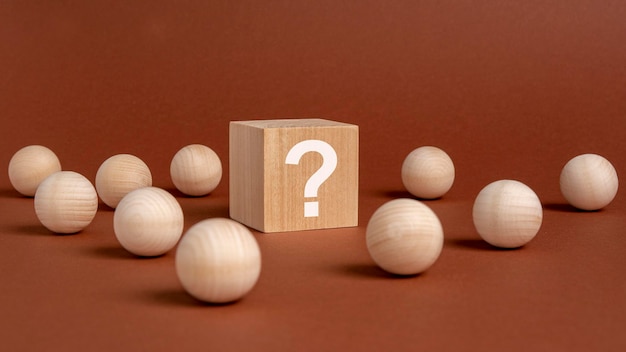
x: 277, y: 180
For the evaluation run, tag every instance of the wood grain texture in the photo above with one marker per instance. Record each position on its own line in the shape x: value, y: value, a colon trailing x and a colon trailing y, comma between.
x: 148, y: 221
x: 268, y: 194
x: 66, y: 202
x: 246, y: 184
x: 507, y: 214
x: 218, y: 260
x: 428, y: 172
x: 119, y: 175
x: 589, y: 182
x: 29, y: 166
x: 196, y: 170
x: 404, y: 237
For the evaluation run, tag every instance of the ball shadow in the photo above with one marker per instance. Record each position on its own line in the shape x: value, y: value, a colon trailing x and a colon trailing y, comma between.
x: 102, y: 207
x: 396, y: 194
x: 11, y: 193
x: 113, y: 253
x: 178, y: 297
x: 370, y: 271
x: 40, y: 230
x: 476, y: 244
x: 178, y: 194
x: 565, y: 208
x: 34, y: 230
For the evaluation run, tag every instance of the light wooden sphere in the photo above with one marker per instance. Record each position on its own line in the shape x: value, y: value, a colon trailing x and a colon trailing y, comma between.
x: 119, y: 175
x: 428, y: 172
x: 507, y: 214
x: 196, y: 170
x: 589, y: 182
x: 148, y: 221
x: 404, y: 237
x: 66, y: 202
x: 218, y: 260
x: 29, y: 166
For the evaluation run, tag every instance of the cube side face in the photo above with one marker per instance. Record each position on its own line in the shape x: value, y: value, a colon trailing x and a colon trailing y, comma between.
x: 246, y: 174
x: 284, y: 187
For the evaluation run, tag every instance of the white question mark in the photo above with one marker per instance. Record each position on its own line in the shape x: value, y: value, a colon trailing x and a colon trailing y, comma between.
x: 329, y: 163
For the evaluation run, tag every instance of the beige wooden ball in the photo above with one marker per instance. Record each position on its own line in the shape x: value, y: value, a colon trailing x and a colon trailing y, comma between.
x: 218, y: 260
x: 119, y: 175
x: 148, y: 221
x: 66, y: 202
x: 428, y: 172
x: 507, y: 214
x: 589, y: 182
x: 404, y: 237
x: 29, y: 166
x: 196, y: 170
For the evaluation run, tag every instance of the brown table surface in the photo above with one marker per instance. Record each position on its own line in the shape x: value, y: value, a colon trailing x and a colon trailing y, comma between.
x: 510, y: 90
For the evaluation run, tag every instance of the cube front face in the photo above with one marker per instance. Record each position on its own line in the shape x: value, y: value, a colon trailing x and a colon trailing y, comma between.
x: 291, y: 175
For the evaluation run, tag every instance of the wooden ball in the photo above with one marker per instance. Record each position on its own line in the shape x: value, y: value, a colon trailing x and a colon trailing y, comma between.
x: 507, y: 214
x: 66, y: 202
x: 196, y: 170
x: 218, y: 260
x: 29, y: 166
x: 148, y: 221
x: 404, y: 237
x: 589, y: 182
x: 428, y: 172
x: 119, y: 175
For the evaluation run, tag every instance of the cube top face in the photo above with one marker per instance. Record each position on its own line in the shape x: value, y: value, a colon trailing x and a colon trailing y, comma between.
x: 296, y: 174
x: 292, y: 123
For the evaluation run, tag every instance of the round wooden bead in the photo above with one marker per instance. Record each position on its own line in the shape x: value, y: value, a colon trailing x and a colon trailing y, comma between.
x: 404, y: 237
x: 66, y: 202
x: 196, y: 170
x: 29, y: 166
x: 428, y: 172
x: 507, y: 214
x: 589, y: 182
x: 148, y: 221
x: 119, y: 175
x: 218, y: 260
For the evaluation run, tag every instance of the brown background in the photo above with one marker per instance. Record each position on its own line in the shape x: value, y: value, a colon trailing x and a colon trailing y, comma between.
x: 508, y: 89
